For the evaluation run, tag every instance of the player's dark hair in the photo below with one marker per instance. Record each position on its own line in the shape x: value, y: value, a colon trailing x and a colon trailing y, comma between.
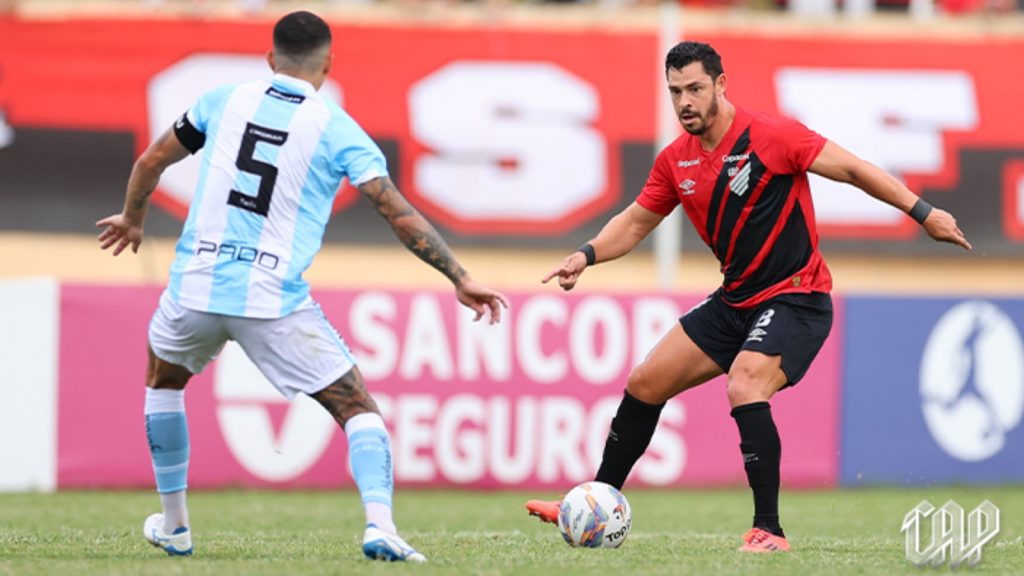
x: 686, y: 53
x: 300, y: 34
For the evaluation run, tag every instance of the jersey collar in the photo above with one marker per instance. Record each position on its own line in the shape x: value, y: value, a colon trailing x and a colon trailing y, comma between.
x: 292, y: 85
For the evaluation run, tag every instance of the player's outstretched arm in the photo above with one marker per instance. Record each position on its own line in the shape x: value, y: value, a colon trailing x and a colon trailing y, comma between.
x: 125, y: 229
x: 618, y: 237
x: 840, y: 165
x: 420, y: 237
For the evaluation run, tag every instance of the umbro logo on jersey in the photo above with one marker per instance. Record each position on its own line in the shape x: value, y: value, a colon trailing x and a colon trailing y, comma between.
x: 687, y: 163
x: 741, y: 181
x: 687, y: 186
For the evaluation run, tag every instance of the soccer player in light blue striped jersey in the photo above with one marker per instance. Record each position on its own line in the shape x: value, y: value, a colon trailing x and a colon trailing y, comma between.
x: 273, y: 155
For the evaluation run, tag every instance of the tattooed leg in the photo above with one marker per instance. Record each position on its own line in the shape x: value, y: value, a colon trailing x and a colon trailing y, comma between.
x: 369, y: 448
x: 347, y: 397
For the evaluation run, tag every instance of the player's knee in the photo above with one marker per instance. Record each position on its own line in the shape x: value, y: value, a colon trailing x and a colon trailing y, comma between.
x: 745, y: 387
x: 645, y: 388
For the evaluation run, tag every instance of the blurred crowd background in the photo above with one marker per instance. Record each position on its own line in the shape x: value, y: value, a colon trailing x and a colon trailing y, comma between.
x: 816, y: 8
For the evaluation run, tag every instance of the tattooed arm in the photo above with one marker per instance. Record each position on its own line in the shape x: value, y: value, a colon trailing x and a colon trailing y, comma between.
x: 420, y: 237
x: 125, y: 229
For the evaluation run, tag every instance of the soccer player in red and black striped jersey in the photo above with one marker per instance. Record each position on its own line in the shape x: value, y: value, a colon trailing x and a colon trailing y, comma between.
x: 741, y: 177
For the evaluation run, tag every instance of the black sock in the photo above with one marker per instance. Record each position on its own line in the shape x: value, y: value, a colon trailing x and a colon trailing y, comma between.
x: 762, y: 451
x: 631, y: 432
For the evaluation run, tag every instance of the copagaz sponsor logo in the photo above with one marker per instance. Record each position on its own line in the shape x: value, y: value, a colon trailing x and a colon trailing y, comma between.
x: 949, y: 533
x: 688, y: 163
x: 972, y: 380
x: 734, y: 158
x: 687, y: 186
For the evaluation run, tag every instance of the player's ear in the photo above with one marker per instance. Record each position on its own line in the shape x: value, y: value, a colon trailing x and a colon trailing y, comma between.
x: 270, y: 60
x: 328, y: 62
x: 720, y: 84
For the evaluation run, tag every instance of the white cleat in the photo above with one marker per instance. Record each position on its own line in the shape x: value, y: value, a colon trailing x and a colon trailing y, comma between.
x: 379, y: 545
x: 178, y: 543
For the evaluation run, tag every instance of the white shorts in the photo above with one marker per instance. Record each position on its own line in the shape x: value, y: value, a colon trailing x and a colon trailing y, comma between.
x: 300, y: 352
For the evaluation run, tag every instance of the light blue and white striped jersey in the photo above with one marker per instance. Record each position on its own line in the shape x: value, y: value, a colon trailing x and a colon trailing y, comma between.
x: 273, y: 155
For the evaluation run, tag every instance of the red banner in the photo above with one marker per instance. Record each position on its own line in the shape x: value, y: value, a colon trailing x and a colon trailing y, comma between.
x: 436, y: 92
x: 499, y: 131
x: 526, y: 403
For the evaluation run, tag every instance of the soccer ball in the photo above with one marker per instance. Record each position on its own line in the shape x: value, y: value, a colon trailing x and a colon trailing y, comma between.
x: 594, y: 515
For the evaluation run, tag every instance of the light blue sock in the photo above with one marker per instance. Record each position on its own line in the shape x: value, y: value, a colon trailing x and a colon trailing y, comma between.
x: 167, y: 433
x: 369, y: 453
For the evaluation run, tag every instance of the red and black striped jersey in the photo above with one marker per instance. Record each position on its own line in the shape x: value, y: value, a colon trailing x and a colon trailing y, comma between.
x: 750, y: 202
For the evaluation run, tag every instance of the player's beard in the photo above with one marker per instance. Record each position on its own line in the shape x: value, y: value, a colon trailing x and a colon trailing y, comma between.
x: 704, y: 119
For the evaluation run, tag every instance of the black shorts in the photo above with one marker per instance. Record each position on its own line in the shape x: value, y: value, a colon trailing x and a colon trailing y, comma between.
x: 793, y: 326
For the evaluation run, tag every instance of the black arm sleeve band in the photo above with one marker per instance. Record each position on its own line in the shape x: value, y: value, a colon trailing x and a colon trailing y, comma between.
x: 189, y: 136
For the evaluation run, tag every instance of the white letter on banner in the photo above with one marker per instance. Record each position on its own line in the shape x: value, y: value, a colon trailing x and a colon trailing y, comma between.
x: 561, y: 422
x: 459, y: 450
x: 378, y: 346
x: 665, y: 459
x: 387, y: 409
x: 426, y: 341
x: 480, y: 343
x: 892, y: 118
x: 413, y: 432
x: 533, y: 314
x: 594, y: 316
x: 510, y: 140
x: 652, y: 319
x: 512, y: 450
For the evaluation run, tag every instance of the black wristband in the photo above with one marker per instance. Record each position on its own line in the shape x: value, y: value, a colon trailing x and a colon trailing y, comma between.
x: 588, y: 251
x: 920, y: 211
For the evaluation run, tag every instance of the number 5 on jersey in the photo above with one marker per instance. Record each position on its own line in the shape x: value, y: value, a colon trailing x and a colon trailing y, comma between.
x: 247, y: 162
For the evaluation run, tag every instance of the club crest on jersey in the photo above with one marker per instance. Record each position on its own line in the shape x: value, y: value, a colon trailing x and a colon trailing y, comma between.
x: 740, y: 180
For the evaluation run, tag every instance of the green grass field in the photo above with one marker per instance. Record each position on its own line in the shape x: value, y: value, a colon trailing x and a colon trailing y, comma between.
x: 677, y: 532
